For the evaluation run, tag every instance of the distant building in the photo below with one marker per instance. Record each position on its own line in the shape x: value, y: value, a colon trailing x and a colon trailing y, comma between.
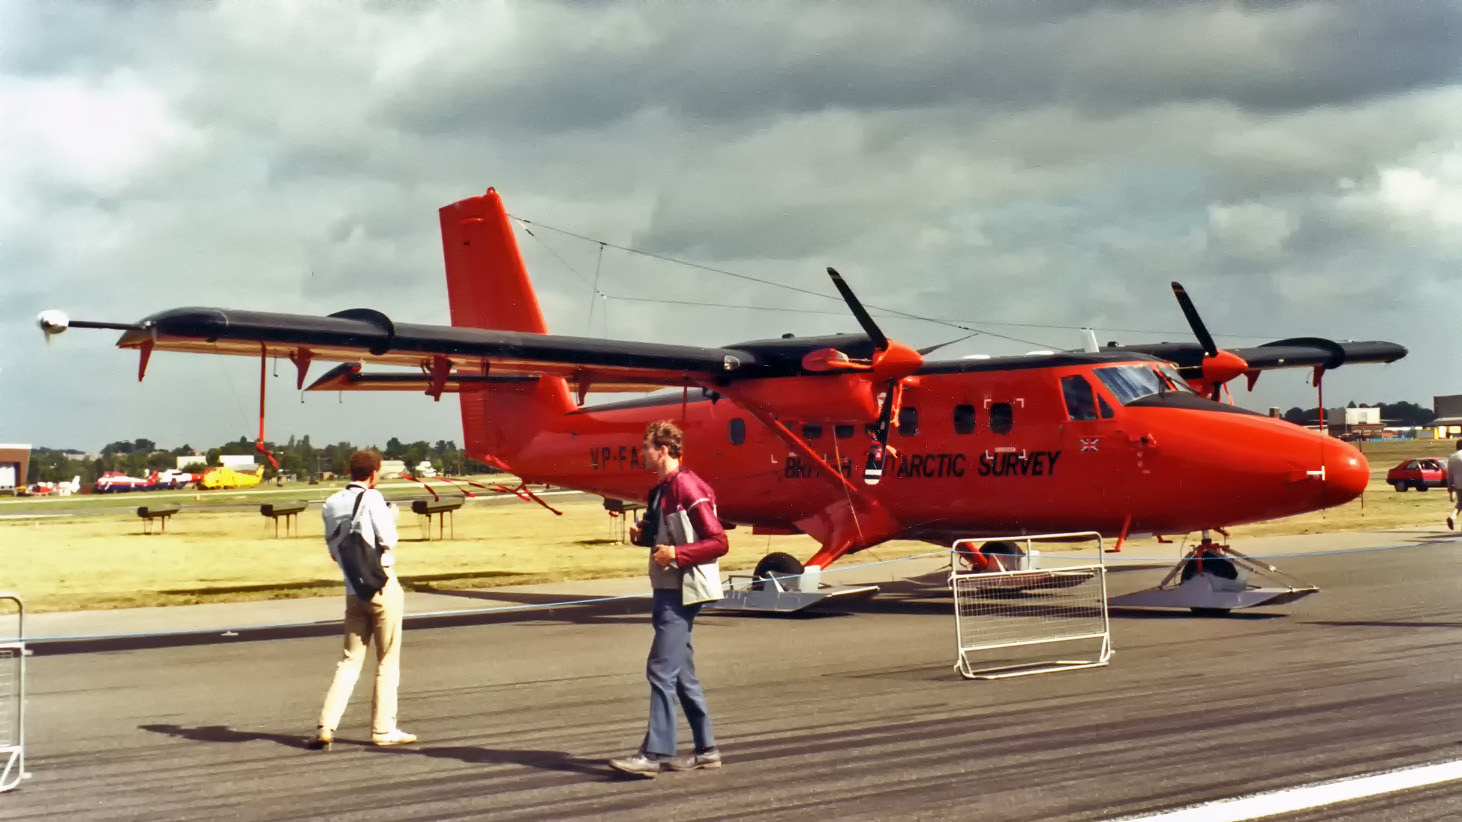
x: 1363, y: 423
x: 238, y: 462
x: 192, y: 459
x: 1449, y: 416
x: 392, y: 469
x: 14, y: 467
x: 1363, y: 416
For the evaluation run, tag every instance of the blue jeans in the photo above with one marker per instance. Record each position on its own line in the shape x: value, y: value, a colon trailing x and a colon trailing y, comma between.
x: 671, y: 671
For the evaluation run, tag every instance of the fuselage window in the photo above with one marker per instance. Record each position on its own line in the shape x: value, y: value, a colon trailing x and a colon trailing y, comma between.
x: 1002, y: 417
x: 843, y: 432
x: 908, y: 421
x: 1080, y: 399
x: 1103, y: 407
x: 738, y: 431
x: 964, y: 419
x: 811, y: 432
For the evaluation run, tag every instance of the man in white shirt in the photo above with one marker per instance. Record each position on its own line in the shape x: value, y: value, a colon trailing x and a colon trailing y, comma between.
x: 1454, y: 485
x: 378, y: 617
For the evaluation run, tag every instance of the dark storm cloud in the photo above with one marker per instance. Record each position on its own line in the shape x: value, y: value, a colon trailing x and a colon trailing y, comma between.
x: 719, y: 65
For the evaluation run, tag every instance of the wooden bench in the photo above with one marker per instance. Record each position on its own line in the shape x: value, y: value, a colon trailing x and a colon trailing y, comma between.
x: 441, y: 509
x: 289, y: 510
x: 153, y: 513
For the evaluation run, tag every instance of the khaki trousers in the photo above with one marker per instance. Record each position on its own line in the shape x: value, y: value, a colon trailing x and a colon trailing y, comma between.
x: 379, y: 619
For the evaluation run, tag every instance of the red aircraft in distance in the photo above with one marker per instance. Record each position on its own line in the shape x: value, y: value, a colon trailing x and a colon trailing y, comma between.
x: 853, y: 439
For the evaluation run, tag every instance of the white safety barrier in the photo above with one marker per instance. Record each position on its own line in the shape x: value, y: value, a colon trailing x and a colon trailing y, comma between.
x: 12, y: 696
x: 1010, y: 605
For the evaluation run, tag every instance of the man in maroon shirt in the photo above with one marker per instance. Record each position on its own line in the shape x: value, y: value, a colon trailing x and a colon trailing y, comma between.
x: 686, y: 538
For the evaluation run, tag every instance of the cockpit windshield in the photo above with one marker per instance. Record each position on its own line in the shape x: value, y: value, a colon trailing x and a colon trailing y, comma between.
x: 1133, y: 382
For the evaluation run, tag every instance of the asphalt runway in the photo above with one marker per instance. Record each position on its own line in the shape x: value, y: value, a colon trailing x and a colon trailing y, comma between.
x: 835, y: 717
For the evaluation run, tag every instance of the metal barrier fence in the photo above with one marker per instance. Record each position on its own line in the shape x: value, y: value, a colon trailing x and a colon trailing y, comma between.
x: 1012, y: 605
x: 12, y: 696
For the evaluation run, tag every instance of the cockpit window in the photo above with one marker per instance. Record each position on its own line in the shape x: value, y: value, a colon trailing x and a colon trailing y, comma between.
x: 1133, y: 382
x: 1178, y: 384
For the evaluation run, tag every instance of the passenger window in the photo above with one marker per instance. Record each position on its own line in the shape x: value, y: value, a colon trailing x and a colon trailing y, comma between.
x: 1002, y: 417
x: 908, y: 421
x: 811, y: 432
x: 964, y: 419
x: 1080, y: 399
x: 843, y: 432
x: 1103, y: 407
x: 738, y: 431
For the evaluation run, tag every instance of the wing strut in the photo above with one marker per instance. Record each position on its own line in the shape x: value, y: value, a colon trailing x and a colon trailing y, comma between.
x: 800, y: 445
x: 263, y: 381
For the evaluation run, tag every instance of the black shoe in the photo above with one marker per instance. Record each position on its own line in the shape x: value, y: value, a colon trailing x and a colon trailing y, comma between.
x: 709, y: 758
x: 640, y: 764
x: 322, y: 740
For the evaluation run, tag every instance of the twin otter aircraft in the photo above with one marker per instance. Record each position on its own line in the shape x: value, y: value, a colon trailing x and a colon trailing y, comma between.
x: 853, y: 439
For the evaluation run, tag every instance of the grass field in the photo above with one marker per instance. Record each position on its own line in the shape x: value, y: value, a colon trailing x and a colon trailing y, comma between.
x: 103, y: 560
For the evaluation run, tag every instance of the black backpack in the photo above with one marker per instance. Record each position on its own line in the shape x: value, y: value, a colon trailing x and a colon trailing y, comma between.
x: 360, y: 559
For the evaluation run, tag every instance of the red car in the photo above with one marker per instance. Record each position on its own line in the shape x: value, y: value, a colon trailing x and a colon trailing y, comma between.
x: 1419, y: 474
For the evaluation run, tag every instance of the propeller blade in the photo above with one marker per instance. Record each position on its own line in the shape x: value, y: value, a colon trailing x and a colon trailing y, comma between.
x: 878, y: 451
x: 869, y: 326
x: 1194, y: 321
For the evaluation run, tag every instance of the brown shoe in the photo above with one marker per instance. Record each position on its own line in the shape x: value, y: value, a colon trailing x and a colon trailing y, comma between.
x: 322, y: 740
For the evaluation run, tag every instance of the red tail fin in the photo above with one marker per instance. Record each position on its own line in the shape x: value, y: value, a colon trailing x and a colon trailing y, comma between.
x: 488, y: 287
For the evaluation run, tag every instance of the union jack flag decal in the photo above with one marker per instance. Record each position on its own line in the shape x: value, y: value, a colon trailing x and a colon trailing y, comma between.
x: 1091, y: 443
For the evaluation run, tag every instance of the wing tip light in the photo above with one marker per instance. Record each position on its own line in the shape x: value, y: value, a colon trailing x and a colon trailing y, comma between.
x: 53, y: 322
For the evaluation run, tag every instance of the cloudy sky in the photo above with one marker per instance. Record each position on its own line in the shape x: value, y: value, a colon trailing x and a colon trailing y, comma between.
x: 1020, y: 168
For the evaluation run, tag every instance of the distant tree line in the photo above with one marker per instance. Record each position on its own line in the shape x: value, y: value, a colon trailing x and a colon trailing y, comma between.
x: 1401, y: 414
x: 298, y: 457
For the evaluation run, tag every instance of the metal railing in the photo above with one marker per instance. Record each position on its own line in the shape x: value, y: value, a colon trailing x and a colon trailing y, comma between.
x: 1010, y: 607
x: 12, y: 697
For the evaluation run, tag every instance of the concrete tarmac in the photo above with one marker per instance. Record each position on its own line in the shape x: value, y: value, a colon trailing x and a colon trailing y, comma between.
x: 855, y: 716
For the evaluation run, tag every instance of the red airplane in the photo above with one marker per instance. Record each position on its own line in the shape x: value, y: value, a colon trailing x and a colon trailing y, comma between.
x: 853, y: 439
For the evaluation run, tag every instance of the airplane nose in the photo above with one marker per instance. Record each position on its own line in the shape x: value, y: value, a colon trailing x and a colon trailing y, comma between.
x: 1346, y: 471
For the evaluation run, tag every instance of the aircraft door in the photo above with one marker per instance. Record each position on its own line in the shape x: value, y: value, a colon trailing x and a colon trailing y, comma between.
x: 1093, y: 435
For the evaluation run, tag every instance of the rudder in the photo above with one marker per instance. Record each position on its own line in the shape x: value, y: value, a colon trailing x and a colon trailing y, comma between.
x: 488, y: 287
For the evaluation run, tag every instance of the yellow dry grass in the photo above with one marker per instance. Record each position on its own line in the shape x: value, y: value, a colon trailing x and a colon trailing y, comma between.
x: 105, y: 561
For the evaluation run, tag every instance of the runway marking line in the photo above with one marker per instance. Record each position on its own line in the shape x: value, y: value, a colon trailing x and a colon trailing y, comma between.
x: 1304, y: 797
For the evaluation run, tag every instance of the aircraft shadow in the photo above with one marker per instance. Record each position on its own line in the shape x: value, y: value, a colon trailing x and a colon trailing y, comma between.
x: 1140, y: 613
x: 610, y: 612
x: 223, y: 733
